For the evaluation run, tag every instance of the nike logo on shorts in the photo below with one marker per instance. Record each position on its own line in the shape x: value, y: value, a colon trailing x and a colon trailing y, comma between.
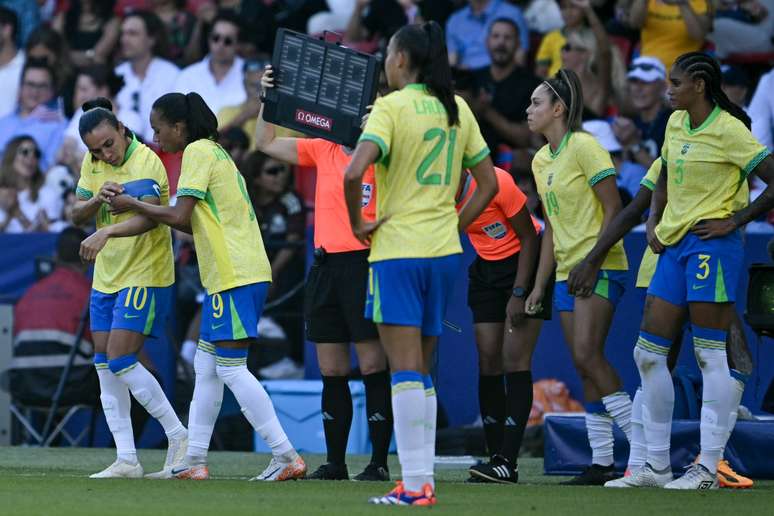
x: 216, y: 326
x: 127, y: 316
x: 698, y: 287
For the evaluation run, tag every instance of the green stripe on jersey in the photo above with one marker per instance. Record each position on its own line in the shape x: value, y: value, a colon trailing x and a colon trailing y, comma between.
x: 755, y: 162
x: 83, y: 193
x: 384, y: 151
x: 721, y: 296
x: 476, y: 158
x: 647, y: 183
x: 599, y: 176
x: 237, y: 329
x: 151, y: 316
x: 191, y: 192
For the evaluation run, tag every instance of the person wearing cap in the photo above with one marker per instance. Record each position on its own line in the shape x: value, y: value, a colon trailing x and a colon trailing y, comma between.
x: 628, y: 173
x: 642, y: 134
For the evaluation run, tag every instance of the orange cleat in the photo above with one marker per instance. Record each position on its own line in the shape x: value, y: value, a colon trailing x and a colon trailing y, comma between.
x: 729, y: 478
x: 184, y: 472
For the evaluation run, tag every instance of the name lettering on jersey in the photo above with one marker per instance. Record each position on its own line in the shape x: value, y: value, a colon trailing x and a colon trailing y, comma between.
x: 368, y: 190
x: 495, y: 230
x: 429, y: 107
x: 314, y: 120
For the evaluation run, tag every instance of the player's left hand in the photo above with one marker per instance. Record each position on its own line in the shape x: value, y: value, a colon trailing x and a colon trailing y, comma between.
x: 364, y: 231
x: 121, y: 204
x: 582, y: 279
x: 713, y: 228
x: 92, y: 245
x: 515, y: 312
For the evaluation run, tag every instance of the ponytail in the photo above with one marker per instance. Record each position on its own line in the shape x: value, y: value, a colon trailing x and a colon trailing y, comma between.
x: 96, y: 111
x: 565, y: 87
x: 699, y: 65
x: 190, y: 109
x: 426, y: 47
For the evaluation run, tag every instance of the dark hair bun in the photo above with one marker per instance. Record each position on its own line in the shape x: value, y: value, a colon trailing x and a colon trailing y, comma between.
x: 99, y: 102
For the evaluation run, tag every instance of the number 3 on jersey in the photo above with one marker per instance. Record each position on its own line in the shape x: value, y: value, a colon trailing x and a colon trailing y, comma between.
x: 424, y: 175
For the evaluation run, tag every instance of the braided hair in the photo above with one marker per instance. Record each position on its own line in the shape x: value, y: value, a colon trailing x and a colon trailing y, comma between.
x: 565, y: 87
x: 698, y: 65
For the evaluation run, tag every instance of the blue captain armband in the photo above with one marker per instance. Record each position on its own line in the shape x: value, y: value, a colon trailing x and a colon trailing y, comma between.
x: 142, y: 188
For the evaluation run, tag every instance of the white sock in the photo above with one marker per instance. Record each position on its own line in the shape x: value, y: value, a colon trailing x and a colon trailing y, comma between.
x: 255, y: 402
x: 658, y: 397
x: 619, y: 406
x: 431, y: 414
x: 738, y: 381
x: 709, y: 346
x: 409, y: 408
x: 205, y: 405
x: 599, y: 428
x: 148, y: 392
x: 638, y: 449
x: 116, y: 405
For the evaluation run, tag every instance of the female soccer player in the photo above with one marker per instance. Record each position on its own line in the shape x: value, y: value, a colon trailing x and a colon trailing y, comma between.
x: 576, y: 180
x: 334, y: 301
x: 420, y: 136
x: 133, y: 275
x: 212, y: 204
x: 581, y: 282
x: 506, y: 243
x: 708, y: 153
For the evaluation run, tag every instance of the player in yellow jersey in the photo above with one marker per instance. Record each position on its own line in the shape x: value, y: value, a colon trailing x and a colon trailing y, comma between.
x: 212, y: 204
x: 576, y: 181
x: 133, y: 275
x: 582, y: 278
x: 694, y: 223
x: 420, y: 137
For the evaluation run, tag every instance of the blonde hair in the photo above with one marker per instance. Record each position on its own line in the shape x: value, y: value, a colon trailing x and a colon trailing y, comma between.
x: 584, y: 38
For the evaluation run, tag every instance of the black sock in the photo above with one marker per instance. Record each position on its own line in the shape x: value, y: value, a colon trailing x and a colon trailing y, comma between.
x: 491, y: 401
x: 337, y: 416
x: 518, y: 387
x: 379, y: 412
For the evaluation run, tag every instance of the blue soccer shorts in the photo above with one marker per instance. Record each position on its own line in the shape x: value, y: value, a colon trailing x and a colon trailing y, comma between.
x: 412, y: 291
x: 699, y: 271
x: 610, y: 285
x: 233, y: 314
x: 139, y: 309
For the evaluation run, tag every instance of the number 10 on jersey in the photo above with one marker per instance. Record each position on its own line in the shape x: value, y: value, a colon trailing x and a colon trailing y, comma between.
x: 425, y: 173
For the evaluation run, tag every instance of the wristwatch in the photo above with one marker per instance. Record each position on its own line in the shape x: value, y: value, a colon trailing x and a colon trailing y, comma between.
x: 519, y: 292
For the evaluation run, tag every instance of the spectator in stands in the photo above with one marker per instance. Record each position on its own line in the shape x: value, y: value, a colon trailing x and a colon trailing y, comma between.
x: 670, y: 28
x: 218, y: 78
x: 179, y: 24
x: 543, y: 16
x: 11, y: 61
x: 90, y: 28
x: 235, y: 141
x: 28, y: 16
x: 379, y: 19
x: 761, y: 111
x: 147, y: 75
x: 244, y: 115
x: 47, y: 44
x: 467, y: 30
x: 282, y: 217
x: 642, y: 135
x: 743, y: 26
x: 334, y: 19
x: 37, y: 205
x: 736, y: 84
x: 628, y: 174
x: 502, y: 90
x: 548, y: 59
x: 37, y: 113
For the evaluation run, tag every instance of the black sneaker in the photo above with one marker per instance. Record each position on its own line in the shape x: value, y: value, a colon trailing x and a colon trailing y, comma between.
x: 594, y: 475
x: 330, y: 472
x: 498, y: 470
x: 373, y: 473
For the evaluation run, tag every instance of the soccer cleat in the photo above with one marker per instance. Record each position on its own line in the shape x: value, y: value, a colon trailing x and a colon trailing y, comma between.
x: 120, y: 469
x: 498, y: 470
x: 399, y: 496
x: 645, y: 476
x: 278, y: 471
x: 175, y: 456
x: 186, y: 472
x: 373, y: 473
x: 729, y: 478
x: 697, y: 477
x: 594, y: 475
x: 330, y: 471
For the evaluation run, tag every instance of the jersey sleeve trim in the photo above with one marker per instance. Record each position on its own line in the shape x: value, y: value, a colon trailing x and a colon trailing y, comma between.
x: 599, y: 176
x: 647, y: 183
x: 191, y: 192
x: 83, y: 193
x: 755, y: 162
x: 476, y: 158
x: 383, y: 149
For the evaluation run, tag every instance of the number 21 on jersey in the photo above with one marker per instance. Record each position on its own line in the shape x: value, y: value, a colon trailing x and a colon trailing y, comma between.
x: 427, y: 174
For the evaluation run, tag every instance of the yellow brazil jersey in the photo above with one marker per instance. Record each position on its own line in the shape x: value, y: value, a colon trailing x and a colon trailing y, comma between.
x: 665, y: 35
x: 706, y: 167
x: 139, y: 261
x: 418, y: 171
x: 228, y: 240
x: 564, y: 180
x: 550, y: 51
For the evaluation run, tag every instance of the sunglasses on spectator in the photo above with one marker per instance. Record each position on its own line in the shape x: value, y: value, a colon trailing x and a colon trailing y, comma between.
x: 275, y: 170
x: 28, y: 151
x: 227, y: 40
x: 645, y: 67
x: 570, y: 48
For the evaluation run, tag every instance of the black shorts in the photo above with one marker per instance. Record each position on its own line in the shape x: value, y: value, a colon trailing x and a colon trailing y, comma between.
x: 334, y: 300
x: 490, y: 286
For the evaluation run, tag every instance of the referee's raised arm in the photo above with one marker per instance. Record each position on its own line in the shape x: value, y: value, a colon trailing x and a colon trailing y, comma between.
x: 266, y: 141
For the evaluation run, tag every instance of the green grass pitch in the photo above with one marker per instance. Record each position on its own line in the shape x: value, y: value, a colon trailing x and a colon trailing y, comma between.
x: 53, y: 482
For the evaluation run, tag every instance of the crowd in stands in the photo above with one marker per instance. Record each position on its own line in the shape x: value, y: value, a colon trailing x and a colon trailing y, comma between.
x: 57, y: 54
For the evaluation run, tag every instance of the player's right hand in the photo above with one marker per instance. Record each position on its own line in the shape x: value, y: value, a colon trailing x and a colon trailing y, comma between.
x: 92, y: 245
x: 650, y: 230
x: 364, y: 231
x: 582, y: 279
x: 534, y: 301
x: 109, y: 190
x: 267, y: 79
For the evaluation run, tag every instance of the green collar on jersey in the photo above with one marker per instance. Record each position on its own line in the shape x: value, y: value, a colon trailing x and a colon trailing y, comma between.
x: 130, y: 149
x: 561, y: 147
x: 711, y: 118
x: 415, y: 86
